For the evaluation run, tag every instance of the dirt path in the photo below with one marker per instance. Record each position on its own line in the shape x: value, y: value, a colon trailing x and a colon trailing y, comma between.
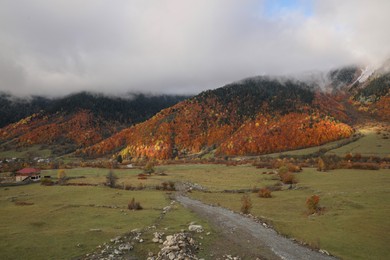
x: 253, y: 239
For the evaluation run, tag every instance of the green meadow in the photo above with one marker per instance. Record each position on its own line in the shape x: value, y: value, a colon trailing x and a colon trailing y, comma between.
x: 57, y: 225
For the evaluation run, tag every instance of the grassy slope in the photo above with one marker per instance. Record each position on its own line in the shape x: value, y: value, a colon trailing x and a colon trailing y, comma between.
x: 355, y: 224
x: 26, y: 152
x: 62, y: 217
x: 371, y: 144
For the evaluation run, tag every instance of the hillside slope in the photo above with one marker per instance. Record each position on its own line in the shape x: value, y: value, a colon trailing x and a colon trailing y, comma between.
x: 76, y: 121
x: 254, y: 116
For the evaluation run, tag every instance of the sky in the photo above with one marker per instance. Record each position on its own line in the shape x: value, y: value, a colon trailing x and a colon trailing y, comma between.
x: 53, y: 47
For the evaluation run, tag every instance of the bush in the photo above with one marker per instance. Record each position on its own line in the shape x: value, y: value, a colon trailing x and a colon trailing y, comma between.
x: 288, y: 178
x: 171, y: 186
x: 246, y: 204
x: 283, y: 170
x: 61, y: 175
x: 119, y: 158
x: 265, y: 193
x: 294, y: 168
x: 128, y: 187
x: 149, y: 168
x: 328, y: 162
x: 312, y: 204
x: 357, y: 157
x: 47, y: 182
x: 134, y: 205
x: 164, y: 185
x: 111, y: 179
x: 365, y: 166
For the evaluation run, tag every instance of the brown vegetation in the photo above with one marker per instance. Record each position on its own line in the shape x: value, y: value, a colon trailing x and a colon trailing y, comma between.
x: 134, y: 205
x: 265, y: 193
x: 246, y: 204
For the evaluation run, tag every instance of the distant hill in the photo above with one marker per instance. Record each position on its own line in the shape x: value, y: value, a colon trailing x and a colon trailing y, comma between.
x: 136, y: 108
x: 255, y: 116
x: 74, y: 121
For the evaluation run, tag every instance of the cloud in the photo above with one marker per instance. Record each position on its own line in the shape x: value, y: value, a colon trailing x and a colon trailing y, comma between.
x: 175, y: 46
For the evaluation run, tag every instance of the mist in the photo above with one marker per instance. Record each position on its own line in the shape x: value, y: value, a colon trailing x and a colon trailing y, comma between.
x: 54, y: 48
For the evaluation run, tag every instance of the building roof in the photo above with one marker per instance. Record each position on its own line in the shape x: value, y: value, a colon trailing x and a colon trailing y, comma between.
x: 28, y: 171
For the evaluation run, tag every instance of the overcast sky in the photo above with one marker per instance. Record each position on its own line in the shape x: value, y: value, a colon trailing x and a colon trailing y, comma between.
x: 55, y: 47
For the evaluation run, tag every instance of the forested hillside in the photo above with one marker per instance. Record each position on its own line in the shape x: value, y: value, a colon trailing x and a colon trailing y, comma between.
x: 133, y: 109
x: 75, y: 121
x: 254, y: 116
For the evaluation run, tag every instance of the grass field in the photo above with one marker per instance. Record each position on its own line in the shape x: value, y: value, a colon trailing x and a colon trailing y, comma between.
x: 61, y: 217
x: 355, y: 224
x: 371, y: 144
x: 212, y: 177
x: 26, y: 152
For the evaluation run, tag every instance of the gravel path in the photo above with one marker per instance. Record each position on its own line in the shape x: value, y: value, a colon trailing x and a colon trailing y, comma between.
x: 249, y: 235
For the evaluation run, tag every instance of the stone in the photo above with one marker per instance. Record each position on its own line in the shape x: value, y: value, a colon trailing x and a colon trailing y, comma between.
x: 155, y: 240
x: 195, y: 228
x: 171, y: 256
x: 115, y: 239
x: 126, y: 246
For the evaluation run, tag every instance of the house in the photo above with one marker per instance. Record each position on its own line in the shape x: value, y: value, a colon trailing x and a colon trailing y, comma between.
x: 28, y: 173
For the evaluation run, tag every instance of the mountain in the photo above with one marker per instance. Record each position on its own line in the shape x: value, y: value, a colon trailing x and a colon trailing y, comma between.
x: 373, y: 95
x: 130, y: 110
x: 74, y: 121
x: 254, y: 116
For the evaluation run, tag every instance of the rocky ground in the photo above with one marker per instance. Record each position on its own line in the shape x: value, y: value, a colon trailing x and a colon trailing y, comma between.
x: 251, y: 238
x: 239, y: 237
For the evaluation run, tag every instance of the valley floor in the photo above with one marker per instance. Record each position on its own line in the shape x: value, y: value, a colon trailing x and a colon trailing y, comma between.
x: 251, y: 240
x: 66, y: 222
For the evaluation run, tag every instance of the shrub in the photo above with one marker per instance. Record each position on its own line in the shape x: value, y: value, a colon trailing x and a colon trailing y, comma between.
x: 348, y: 157
x: 328, y: 162
x: 149, y: 168
x: 357, y: 157
x: 288, y: 178
x: 365, y: 166
x: 111, y: 179
x: 134, y: 205
x: 294, y: 168
x: 164, y: 185
x: 171, y: 186
x: 119, y: 158
x: 47, y: 182
x: 61, y: 175
x: 128, y: 187
x: 246, y: 204
x: 264, y: 193
x: 283, y: 170
x: 312, y: 204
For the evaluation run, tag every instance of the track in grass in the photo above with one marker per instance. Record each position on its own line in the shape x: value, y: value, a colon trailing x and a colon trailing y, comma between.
x: 254, y: 239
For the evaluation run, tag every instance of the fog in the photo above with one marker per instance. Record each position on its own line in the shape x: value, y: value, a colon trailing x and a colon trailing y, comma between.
x: 55, y: 48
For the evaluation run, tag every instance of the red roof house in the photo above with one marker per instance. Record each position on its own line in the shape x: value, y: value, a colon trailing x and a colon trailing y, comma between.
x: 28, y: 173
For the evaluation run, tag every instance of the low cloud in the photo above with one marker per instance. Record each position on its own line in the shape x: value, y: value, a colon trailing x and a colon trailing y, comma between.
x: 58, y: 47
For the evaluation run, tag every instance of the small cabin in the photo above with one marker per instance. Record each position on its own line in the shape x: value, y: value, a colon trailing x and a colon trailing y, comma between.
x: 28, y: 173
